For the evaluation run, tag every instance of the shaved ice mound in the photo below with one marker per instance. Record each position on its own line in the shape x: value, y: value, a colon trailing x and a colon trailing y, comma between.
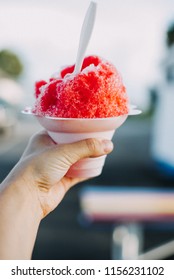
x: 96, y: 92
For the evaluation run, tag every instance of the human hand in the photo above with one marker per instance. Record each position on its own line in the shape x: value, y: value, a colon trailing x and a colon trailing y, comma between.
x: 43, y: 166
x: 35, y: 186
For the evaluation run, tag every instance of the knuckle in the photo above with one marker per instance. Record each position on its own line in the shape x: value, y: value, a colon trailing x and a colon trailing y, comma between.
x: 93, y: 145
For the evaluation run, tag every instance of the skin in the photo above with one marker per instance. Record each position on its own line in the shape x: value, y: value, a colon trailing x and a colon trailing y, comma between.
x: 36, y: 186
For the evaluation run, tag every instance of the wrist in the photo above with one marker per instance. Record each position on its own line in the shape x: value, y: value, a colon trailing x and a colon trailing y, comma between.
x: 19, y: 190
x: 16, y: 196
x: 19, y: 221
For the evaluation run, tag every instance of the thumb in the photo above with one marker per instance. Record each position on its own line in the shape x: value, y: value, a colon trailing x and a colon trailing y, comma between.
x: 59, y: 158
x: 91, y: 147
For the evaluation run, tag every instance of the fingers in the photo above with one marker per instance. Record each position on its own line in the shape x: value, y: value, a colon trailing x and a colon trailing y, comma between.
x: 92, y: 147
x: 51, y: 164
x: 38, y: 142
x: 82, y: 149
x: 73, y: 152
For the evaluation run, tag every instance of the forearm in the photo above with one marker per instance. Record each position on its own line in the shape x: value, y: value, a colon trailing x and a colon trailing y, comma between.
x: 19, y: 222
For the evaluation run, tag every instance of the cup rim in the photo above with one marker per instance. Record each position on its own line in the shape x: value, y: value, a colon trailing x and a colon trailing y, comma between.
x: 132, y: 111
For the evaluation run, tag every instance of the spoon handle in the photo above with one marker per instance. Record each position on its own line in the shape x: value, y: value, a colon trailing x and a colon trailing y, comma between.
x: 85, y: 35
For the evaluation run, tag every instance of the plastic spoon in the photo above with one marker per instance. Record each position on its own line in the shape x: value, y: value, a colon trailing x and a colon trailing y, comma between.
x: 85, y: 35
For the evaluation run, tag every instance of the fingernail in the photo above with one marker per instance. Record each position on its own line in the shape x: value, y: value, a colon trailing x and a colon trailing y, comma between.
x: 107, y: 146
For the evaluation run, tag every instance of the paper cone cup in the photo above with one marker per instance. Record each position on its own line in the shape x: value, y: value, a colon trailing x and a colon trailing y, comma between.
x: 69, y: 130
x: 64, y: 131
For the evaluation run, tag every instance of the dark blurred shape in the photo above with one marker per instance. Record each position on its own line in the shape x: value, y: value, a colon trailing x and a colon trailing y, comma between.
x: 162, y: 143
x: 153, y: 92
x: 170, y: 73
x: 10, y: 64
x: 170, y: 35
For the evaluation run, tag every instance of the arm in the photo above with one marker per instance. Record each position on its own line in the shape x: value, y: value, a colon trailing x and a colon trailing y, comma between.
x: 19, y: 222
x: 35, y: 187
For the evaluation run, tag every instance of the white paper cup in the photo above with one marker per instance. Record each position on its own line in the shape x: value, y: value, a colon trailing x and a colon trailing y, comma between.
x: 69, y: 130
x: 64, y: 131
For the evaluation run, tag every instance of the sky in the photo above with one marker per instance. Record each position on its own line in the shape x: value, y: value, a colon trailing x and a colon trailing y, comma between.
x: 129, y: 33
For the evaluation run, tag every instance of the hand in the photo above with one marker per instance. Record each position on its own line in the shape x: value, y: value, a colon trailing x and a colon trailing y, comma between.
x: 43, y: 166
x: 35, y: 187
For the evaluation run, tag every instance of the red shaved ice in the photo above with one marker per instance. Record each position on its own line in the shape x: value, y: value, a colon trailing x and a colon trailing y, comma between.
x: 38, y: 85
x: 96, y: 92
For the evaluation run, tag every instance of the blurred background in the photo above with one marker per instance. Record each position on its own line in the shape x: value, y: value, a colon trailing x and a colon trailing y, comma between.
x: 36, y: 39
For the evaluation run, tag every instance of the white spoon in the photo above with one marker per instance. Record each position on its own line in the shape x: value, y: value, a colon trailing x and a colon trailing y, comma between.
x: 85, y: 36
